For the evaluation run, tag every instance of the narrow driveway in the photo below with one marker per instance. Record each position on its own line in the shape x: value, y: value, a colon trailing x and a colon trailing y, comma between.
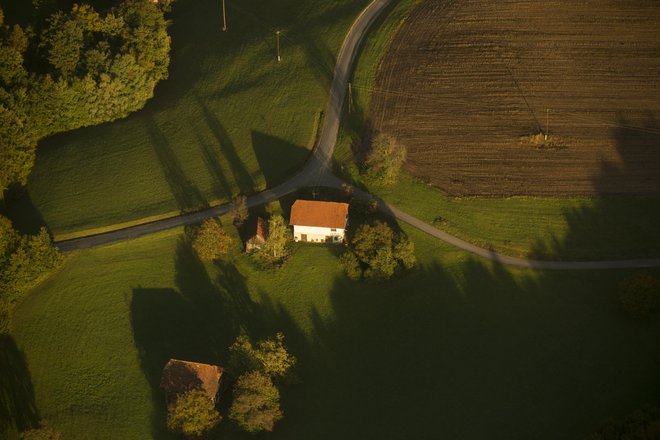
x: 317, y: 172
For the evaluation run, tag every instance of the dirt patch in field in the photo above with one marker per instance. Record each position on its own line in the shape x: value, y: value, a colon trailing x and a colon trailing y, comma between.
x: 473, y: 86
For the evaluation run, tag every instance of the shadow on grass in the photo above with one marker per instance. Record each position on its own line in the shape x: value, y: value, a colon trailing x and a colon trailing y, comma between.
x: 278, y: 159
x: 616, y: 219
x: 18, y: 410
x: 23, y: 213
x: 184, y: 191
x: 241, y: 174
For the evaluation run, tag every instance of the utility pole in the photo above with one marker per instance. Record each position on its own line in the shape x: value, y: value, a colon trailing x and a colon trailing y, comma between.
x: 224, y: 17
x: 279, y: 58
x: 547, y: 123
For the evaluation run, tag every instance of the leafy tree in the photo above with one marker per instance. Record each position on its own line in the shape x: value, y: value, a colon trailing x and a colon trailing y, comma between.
x: 239, y: 210
x: 643, y: 424
x: 63, y: 39
x: 43, y: 432
x: 270, y: 357
x: 256, y: 404
x: 211, y: 241
x: 278, y: 237
x: 385, y: 159
x: 639, y: 294
x: 377, y: 253
x: 192, y: 414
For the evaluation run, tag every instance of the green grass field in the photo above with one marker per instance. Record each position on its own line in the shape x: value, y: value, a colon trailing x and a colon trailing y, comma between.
x: 458, y: 348
x: 546, y: 228
x: 229, y: 119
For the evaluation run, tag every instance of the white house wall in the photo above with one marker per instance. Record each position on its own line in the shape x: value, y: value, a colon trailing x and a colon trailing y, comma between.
x: 316, y: 234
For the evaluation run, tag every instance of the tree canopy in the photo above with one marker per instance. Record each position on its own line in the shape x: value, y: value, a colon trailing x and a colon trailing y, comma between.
x: 385, y: 159
x: 211, y: 241
x: 192, y: 414
x: 376, y: 252
x: 270, y: 357
x: 256, y: 404
x: 85, y: 68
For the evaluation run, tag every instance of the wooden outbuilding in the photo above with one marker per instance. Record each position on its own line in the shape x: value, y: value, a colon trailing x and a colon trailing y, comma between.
x: 182, y: 376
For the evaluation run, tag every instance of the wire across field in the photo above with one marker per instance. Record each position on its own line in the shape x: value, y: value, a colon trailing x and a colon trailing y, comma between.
x: 473, y: 87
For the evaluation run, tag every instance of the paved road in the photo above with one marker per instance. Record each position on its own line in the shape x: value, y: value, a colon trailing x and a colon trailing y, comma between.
x: 317, y: 172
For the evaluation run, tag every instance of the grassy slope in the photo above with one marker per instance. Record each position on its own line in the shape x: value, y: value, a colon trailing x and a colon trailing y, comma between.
x: 549, y: 228
x: 457, y: 349
x: 229, y: 119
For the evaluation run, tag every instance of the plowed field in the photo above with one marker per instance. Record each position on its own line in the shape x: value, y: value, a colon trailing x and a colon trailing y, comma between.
x: 467, y: 84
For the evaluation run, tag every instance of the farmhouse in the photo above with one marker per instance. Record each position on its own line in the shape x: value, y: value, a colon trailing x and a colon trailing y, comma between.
x: 320, y: 222
x: 257, y: 234
x: 183, y: 376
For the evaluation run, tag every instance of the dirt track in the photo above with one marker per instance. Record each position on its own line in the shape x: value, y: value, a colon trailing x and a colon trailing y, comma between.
x: 465, y: 84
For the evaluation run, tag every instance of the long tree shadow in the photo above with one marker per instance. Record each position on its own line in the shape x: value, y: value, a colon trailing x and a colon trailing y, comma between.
x: 428, y: 354
x: 278, y: 159
x: 18, y: 410
x: 184, y: 191
x: 622, y: 220
x: 241, y: 174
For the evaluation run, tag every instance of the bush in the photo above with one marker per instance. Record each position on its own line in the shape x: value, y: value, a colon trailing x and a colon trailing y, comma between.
x: 278, y: 237
x: 639, y: 294
x: 211, y: 241
x: 192, y: 414
x: 43, y: 432
x: 376, y: 253
x: 256, y: 405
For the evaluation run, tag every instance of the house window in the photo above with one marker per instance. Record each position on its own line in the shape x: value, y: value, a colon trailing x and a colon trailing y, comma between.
x: 333, y: 230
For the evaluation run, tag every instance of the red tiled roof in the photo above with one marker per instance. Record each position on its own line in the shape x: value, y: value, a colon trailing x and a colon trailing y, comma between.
x: 319, y: 214
x: 182, y: 376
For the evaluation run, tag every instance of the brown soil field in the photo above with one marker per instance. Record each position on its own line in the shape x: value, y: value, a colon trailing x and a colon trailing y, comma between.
x: 467, y: 84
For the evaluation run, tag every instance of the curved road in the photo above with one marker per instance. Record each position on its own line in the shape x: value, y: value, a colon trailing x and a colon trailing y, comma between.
x: 317, y: 172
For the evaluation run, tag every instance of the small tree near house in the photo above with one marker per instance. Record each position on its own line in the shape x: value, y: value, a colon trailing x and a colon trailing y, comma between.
x: 192, y: 414
x: 278, y: 237
x: 211, y: 241
x: 239, y: 210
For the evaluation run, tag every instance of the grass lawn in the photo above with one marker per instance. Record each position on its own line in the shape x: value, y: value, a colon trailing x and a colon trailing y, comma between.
x: 229, y: 119
x: 547, y: 228
x: 457, y: 349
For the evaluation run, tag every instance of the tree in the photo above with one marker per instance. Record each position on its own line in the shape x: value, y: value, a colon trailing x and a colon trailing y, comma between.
x: 192, y: 414
x: 278, y: 237
x: 239, y: 209
x: 376, y: 252
x: 64, y: 40
x: 385, y: 160
x: 211, y: 241
x: 639, y: 294
x: 269, y: 357
x: 256, y: 404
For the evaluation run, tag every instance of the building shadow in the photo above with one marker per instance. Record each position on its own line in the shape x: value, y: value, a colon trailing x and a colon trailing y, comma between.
x: 277, y: 158
x: 18, y: 410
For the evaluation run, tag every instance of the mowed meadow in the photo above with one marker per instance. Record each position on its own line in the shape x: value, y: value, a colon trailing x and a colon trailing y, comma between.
x: 230, y: 119
x: 457, y: 348
x: 467, y: 85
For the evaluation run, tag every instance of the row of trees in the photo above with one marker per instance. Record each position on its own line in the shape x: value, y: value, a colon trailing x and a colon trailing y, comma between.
x: 78, y: 68
x: 24, y: 261
x: 259, y: 371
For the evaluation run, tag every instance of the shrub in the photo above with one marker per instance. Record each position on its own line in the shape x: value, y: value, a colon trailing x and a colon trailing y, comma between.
x: 43, y: 432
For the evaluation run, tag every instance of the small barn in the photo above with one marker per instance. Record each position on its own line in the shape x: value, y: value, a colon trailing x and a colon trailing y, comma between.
x: 319, y: 222
x: 257, y: 234
x: 182, y: 376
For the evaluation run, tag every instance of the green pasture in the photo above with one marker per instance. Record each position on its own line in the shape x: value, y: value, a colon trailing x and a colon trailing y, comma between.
x: 458, y: 348
x: 587, y: 228
x: 229, y: 119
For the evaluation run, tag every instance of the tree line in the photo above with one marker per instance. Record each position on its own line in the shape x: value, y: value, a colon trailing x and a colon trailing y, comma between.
x: 75, y: 69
